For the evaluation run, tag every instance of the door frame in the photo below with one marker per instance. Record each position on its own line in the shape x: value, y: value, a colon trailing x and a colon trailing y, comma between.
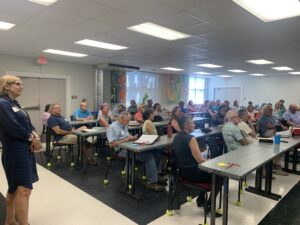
x: 50, y: 76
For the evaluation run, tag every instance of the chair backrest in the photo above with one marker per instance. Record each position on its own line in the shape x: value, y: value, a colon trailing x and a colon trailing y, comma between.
x: 214, y: 149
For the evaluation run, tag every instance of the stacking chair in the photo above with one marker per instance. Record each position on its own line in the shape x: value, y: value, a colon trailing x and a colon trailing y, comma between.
x: 177, y: 185
x: 112, y: 155
x: 57, y: 146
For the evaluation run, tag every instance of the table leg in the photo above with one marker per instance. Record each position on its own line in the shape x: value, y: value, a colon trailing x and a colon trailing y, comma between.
x: 258, y: 184
x: 225, y: 201
x: 213, y: 201
x: 287, y: 161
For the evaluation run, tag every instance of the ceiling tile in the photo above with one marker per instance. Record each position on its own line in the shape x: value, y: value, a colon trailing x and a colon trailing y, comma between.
x: 149, y: 9
x: 57, y: 16
x: 85, y: 8
x: 121, y: 19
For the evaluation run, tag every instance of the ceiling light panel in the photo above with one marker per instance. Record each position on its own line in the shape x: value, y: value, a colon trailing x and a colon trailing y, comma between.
x: 158, y: 31
x: 225, y: 76
x: 60, y: 52
x: 43, y: 2
x: 282, y: 68
x: 207, y: 65
x: 99, y: 44
x: 237, y: 71
x: 6, y: 26
x: 294, y: 73
x: 271, y: 10
x: 202, y: 73
x: 259, y: 61
x: 257, y: 74
x: 172, y: 69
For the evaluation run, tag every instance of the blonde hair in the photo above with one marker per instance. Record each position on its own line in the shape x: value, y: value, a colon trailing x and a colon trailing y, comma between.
x: 6, y: 79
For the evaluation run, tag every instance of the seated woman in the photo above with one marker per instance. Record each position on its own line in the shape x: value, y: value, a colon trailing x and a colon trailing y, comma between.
x: 155, y: 154
x: 46, y: 114
x: 188, y: 155
x: 211, y: 111
x: 251, y: 113
x: 219, y: 118
x: 139, y: 115
x: 175, y: 115
x: 105, y: 117
x: 191, y: 107
x: 158, y: 114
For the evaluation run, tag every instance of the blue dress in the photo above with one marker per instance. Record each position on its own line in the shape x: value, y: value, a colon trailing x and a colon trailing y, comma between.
x: 17, y: 160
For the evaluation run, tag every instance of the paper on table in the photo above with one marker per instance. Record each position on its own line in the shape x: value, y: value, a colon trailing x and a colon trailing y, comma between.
x: 146, y: 139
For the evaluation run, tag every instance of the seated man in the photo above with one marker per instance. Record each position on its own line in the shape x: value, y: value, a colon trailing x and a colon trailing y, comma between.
x: 64, y: 132
x: 117, y: 133
x: 82, y: 113
x: 105, y: 116
x: 269, y: 124
x: 231, y: 132
x: 292, y: 116
x: 246, y: 126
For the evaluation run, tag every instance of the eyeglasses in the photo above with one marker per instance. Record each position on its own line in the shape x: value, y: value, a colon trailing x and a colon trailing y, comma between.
x: 19, y: 84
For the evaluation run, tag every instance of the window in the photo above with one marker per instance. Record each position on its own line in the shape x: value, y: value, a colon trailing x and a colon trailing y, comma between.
x: 141, y: 83
x: 196, y: 89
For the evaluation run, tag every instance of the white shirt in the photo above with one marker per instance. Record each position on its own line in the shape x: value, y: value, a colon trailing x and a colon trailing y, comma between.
x: 246, y: 130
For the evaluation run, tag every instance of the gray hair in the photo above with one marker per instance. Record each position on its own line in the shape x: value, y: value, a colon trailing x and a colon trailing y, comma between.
x: 124, y: 114
x: 230, y: 114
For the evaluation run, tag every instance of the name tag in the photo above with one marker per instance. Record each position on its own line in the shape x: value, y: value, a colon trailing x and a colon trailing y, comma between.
x: 15, y: 109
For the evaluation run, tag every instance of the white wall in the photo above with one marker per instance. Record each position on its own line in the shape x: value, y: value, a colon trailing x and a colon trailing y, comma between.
x: 261, y: 89
x: 82, y: 76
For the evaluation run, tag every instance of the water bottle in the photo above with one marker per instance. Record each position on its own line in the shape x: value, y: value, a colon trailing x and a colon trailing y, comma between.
x: 169, y: 131
x: 277, y: 138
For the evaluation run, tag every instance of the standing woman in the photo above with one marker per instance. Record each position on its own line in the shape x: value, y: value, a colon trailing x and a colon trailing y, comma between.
x: 19, y: 140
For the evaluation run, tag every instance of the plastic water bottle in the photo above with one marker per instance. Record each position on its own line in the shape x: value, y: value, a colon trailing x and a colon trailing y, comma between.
x: 169, y: 131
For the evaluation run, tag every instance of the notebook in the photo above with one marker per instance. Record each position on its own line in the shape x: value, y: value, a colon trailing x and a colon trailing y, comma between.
x: 147, y: 139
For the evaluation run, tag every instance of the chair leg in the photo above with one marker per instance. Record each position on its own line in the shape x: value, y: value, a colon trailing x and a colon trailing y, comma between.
x: 189, y: 196
x: 144, y: 177
x: 220, y: 200
x: 106, y: 173
x: 205, y: 208
x: 72, y: 155
x: 238, y: 203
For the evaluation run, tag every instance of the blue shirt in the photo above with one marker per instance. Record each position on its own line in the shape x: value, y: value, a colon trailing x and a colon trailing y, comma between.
x: 80, y: 114
x: 61, y: 122
x: 292, y: 117
x: 263, y: 121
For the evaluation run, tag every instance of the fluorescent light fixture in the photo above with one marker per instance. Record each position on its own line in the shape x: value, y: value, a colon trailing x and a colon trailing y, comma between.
x: 59, y: 52
x: 99, y: 44
x: 257, y: 74
x: 270, y: 10
x: 172, y: 69
x: 6, y: 26
x: 202, y: 73
x: 294, y: 73
x: 43, y: 2
x: 282, y: 68
x: 225, y: 76
x: 259, y: 61
x: 158, y: 31
x: 209, y: 65
x: 237, y: 71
